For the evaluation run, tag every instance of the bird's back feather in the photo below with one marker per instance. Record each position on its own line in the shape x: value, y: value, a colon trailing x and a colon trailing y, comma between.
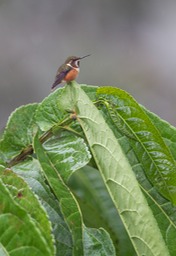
x: 61, y: 73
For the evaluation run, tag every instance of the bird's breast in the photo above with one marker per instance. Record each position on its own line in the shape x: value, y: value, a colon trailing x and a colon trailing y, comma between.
x: 71, y: 75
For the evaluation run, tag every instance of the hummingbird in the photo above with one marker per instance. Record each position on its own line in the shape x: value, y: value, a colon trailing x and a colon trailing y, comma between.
x: 68, y: 71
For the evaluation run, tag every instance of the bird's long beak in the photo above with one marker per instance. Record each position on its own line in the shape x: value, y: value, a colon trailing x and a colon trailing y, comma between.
x: 84, y: 56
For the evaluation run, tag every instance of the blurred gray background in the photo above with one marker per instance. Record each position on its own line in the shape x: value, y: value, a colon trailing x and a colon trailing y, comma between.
x: 133, y: 46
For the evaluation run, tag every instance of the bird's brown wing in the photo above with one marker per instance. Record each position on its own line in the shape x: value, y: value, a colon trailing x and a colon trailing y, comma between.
x: 61, y: 73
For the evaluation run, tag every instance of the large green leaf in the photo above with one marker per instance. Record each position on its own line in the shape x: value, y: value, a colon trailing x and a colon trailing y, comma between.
x: 48, y: 114
x: 24, y: 227
x: 118, y: 176
x: 31, y: 172
x: 26, y: 199
x: 19, y: 131
x: 68, y: 204
x: 67, y: 153
x: 167, y: 131
x: 147, y: 142
x: 97, y: 208
x: 162, y: 209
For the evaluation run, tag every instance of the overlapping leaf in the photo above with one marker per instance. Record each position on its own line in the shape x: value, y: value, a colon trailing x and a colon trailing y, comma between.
x: 118, y: 176
x: 48, y: 114
x: 163, y: 210
x: 19, y: 131
x: 31, y: 172
x: 167, y: 131
x: 67, y: 153
x: 68, y: 204
x: 24, y: 226
x: 98, y: 209
x: 150, y: 148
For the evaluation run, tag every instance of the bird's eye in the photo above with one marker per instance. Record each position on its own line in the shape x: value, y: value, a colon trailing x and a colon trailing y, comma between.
x: 77, y: 63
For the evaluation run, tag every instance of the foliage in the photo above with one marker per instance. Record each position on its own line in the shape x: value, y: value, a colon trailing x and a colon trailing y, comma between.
x: 88, y: 171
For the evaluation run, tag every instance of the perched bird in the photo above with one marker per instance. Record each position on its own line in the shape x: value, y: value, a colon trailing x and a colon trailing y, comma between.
x: 68, y: 71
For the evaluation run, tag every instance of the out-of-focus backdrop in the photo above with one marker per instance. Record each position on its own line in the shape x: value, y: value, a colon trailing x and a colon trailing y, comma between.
x: 133, y: 46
